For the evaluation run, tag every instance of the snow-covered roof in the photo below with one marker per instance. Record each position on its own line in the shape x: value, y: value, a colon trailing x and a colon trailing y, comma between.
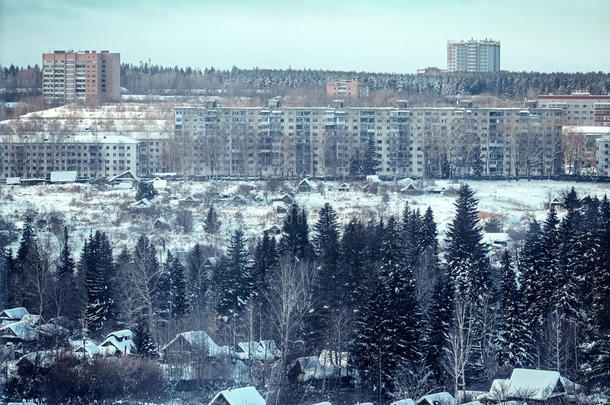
x: 189, y: 198
x: 199, y: 339
x: 64, y: 176
x: 141, y: 203
x: 585, y: 130
x: 439, y: 398
x: 408, y: 401
x: 87, y: 346
x: 13, y: 313
x: 12, y: 181
x: 323, y: 403
x: 533, y: 384
x: 21, y: 330
x: 344, y: 187
x: 312, y: 369
x: 159, y: 184
x: 111, y: 345
x: 125, y: 176
x: 304, y: 183
x: 43, y: 357
x: 240, y: 396
x: 496, y: 237
x: 373, y: 178
x: 264, y: 350
x: 121, y: 334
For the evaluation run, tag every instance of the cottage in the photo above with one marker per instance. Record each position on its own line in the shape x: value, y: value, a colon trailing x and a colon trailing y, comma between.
x: 186, y: 344
x: 536, y: 387
x: 265, y: 350
x: 304, y: 186
x: 285, y: 198
x: 279, y: 207
x: 62, y: 177
x: 344, y: 187
x: 13, y: 314
x: 20, y: 331
x: 118, y: 343
x: 160, y: 185
x: 238, y: 396
x: 439, y: 398
x: 161, y: 224
x: 127, y: 176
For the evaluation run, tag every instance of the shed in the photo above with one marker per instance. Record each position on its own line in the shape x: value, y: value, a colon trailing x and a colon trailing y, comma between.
x: 125, y: 176
x: 279, y: 207
x: 285, y: 198
x: 13, y: 181
x: 64, y: 176
x: 304, y: 186
x: 161, y: 224
x: 189, y: 200
x: 84, y: 347
x: 238, y: 396
x: 555, y: 203
x: 273, y: 230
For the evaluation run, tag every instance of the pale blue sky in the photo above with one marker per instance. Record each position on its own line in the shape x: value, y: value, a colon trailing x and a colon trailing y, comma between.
x: 375, y: 35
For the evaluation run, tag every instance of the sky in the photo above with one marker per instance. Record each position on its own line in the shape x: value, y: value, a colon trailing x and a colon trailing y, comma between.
x: 397, y: 36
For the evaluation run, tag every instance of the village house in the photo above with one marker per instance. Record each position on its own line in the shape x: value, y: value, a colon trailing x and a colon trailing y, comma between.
x: 344, y: 187
x: 274, y: 230
x: 309, y: 370
x: 118, y: 343
x: 265, y: 350
x: 304, y: 186
x: 189, y: 200
x: 13, y: 314
x: 17, y: 332
x: 534, y: 387
x: 161, y: 224
x: 285, y: 198
x: 238, y: 396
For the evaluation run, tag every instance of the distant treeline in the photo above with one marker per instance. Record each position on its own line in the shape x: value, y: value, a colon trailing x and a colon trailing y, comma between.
x: 154, y: 79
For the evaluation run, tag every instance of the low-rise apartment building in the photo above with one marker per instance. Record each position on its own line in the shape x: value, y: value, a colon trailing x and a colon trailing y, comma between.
x: 603, y: 155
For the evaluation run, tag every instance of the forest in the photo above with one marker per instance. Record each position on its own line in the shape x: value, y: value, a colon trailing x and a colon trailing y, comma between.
x: 411, y: 314
x: 147, y: 78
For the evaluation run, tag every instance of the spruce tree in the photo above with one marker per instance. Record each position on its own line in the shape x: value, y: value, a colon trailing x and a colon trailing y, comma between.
x: 197, y: 279
x: 466, y: 254
x: 235, y: 283
x: 370, y: 163
x: 67, y: 288
x: 212, y: 224
x: 178, y: 295
x: 98, y: 268
x: 142, y: 339
x: 353, y: 262
x: 532, y: 276
x: 294, y: 241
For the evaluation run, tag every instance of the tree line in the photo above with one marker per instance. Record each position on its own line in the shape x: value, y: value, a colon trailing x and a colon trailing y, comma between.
x: 413, y: 315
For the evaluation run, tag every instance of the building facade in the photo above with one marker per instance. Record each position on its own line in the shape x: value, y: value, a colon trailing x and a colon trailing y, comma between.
x: 582, y: 108
x: 36, y: 155
x: 89, y: 77
x: 335, y: 141
x: 346, y: 88
x: 603, y: 155
x: 473, y: 56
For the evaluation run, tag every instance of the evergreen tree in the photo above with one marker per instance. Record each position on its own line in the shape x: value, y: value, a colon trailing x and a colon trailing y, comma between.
x: 532, y: 275
x: 212, y: 224
x: 67, y: 288
x: 329, y: 284
x: 547, y: 279
x: 294, y: 241
x: 178, y: 295
x: 197, y: 279
x: 98, y: 269
x: 466, y: 254
x: 514, y: 335
x: 370, y: 163
x: 596, y: 346
x: 145, y: 190
x: 437, y: 328
x: 235, y: 283
x: 354, y: 263
x: 142, y: 339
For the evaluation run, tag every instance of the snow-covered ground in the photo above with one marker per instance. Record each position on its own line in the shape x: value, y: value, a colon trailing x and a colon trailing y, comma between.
x: 85, y: 208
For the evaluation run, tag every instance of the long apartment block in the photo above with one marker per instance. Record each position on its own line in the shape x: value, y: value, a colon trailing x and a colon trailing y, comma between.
x: 330, y: 141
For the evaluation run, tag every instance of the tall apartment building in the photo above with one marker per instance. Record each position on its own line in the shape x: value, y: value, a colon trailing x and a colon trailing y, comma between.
x: 86, y: 76
x: 329, y: 141
x: 473, y: 56
x: 582, y: 108
x: 36, y: 155
x: 346, y: 88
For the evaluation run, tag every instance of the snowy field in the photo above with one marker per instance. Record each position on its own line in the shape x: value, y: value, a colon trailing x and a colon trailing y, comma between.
x: 85, y: 208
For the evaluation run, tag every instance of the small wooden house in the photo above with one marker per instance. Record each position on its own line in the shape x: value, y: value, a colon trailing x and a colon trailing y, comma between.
x: 189, y: 200
x: 439, y: 398
x: 13, y: 314
x: 285, y: 198
x: 304, y: 186
x: 556, y: 203
x: 118, y: 343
